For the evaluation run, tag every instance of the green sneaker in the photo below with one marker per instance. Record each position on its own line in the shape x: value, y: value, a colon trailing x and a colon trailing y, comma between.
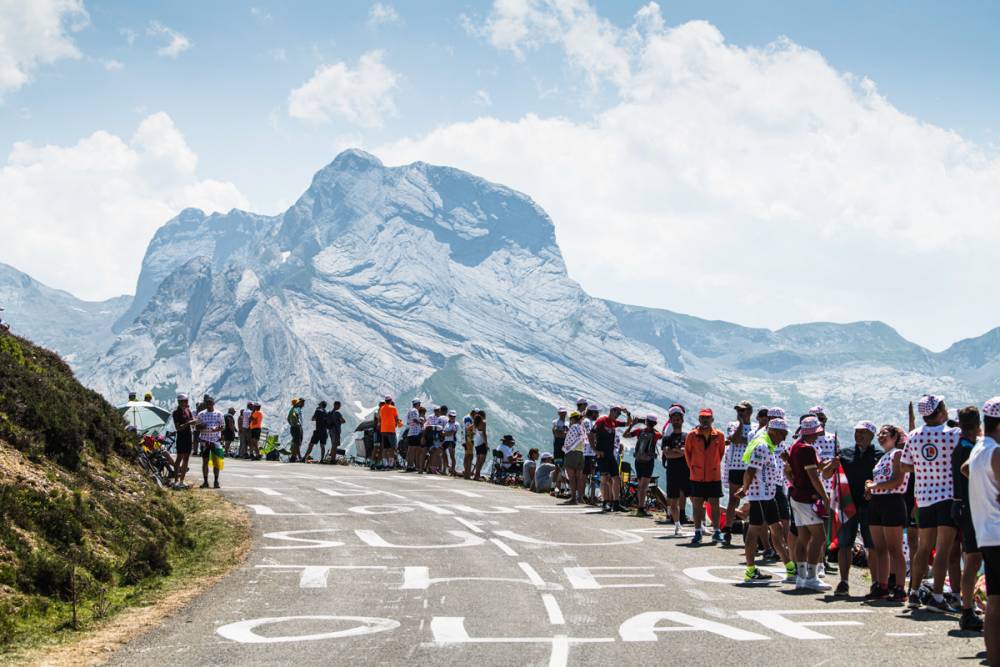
x: 790, y: 572
x: 752, y: 574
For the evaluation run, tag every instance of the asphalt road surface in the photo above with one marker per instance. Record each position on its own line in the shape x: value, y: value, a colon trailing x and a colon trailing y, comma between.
x: 356, y: 567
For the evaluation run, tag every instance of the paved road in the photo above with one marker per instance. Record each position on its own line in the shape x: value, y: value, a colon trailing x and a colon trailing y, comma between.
x: 356, y: 567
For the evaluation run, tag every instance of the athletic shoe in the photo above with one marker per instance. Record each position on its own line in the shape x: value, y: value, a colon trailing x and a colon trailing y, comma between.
x: 619, y: 508
x: 877, y: 593
x: 641, y: 512
x: 843, y: 590
x: 727, y: 539
x: 800, y: 582
x: 770, y: 555
x: 790, y: 574
x: 216, y: 485
x: 954, y: 602
x: 605, y: 508
x: 204, y: 485
x: 937, y: 604
x: 821, y: 571
x: 913, y: 600
x: 970, y: 622
x: 896, y: 594
x: 717, y: 536
x: 697, y: 537
x: 815, y: 584
x: 752, y: 574
x: 677, y: 529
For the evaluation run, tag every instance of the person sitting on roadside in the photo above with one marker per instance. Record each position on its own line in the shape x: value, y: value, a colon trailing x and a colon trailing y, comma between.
x: 545, y: 474
x: 528, y: 469
x: 510, y: 457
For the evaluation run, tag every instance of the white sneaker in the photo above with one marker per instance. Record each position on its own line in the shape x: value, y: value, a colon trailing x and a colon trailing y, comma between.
x: 815, y: 585
x: 677, y: 529
x: 792, y: 579
x: 800, y: 582
x: 820, y: 571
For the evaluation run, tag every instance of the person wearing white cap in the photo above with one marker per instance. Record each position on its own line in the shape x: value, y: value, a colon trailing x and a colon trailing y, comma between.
x: 983, y: 471
x: 858, y: 463
x: 605, y: 430
x: 544, y: 474
x: 758, y: 487
x: 183, y: 422
x: 927, y: 454
x: 810, y: 503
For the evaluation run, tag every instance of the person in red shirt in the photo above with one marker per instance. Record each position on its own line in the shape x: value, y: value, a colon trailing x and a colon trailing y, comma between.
x: 388, y: 422
x: 703, y: 451
x: 607, y: 459
x: 810, y: 505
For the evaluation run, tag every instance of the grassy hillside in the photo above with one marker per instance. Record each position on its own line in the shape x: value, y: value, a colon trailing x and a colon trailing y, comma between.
x: 83, y: 533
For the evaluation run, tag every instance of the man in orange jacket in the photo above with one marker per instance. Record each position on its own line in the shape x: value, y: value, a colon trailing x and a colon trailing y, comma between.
x: 703, y: 450
x: 388, y: 422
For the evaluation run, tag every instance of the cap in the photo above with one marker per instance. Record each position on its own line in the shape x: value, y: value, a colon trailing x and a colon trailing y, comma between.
x: 387, y: 398
x: 575, y: 414
x: 594, y: 407
x: 927, y: 405
x: 652, y: 418
x: 777, y: 424
x: 207, y: 399
x: 416, y: 401
x: 546, y: 455
x: 810, y: 426
x: 452, y: 413
x: 817, y: 410
x: 182, y: 397
x: 866, y: 425
x: 675, y: 410
x: 507, y: 438
x: 561, y: 410
x: 706, y: 412
x: 762, y: 412
x: 991, y: 408
x: 776, y: 413
x: 743, y: 405
x: 581, y: 400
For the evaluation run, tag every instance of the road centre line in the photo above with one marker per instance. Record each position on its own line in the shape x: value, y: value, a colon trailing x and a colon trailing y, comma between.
x: 264, y: 510
x: 468, y: 524
x: 533, y: 575
x: 553, y: 610
x: 503, y: 547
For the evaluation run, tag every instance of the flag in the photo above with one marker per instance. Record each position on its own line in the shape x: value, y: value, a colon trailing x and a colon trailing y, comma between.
x: 844, y: 502
x: 217, y: 457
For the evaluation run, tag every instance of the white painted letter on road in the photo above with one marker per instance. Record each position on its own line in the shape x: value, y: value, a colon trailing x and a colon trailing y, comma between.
x: 584, y: 578
x: 642, y: 628
x: 776, y: 621
x: 243, y: 631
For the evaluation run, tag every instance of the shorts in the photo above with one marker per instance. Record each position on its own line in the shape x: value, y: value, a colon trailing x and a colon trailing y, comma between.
x: 607, y: 465
x: 781, y: 501
x: 969, y: 543
x: 644, y: 469
x: 206, y: 449
x: 574, y: 460
x: 736, y: 477
x: 413, y: 441
x: 482, y: 450
x: 888, y: 510
x: 805, y: 515
x: 589, y: 463
x: 706, y: 489
x: 388, y: 440
x: 763, y: 512
x: 678, y: 483
x: 848, y: 532
x: 184, y: 447
x: 448, y: 444
x: 937, y: 515
x: 991, y: 561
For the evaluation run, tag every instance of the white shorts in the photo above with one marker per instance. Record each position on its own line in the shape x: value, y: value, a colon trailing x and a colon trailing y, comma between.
x: 805, y: 515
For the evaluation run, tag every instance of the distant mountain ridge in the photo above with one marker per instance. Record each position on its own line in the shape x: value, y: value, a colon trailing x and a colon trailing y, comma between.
x: 428, y: 280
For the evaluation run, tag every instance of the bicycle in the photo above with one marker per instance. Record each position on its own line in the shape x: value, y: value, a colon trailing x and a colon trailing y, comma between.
x: 154, y: 464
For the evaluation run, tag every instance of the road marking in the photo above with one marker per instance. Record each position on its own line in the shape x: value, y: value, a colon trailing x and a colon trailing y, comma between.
x: 243, y: 631
x: 432, y: 508
x: 643, y: 627
x: 467, y: 494
x: 307, y: 543
x: 775, y: 620
x: 476, y: 510
x: 624, y: 538
x: 468, y: 524
x: 583, y: 578
x: 533, y: 575
x: 347, y: 494
x: 705, y: 573
x: 315, y: 576
x: 264, y: 510
x: 418, y: 577
x: 905, y: 634
x: 553, y: 610
x: 503, y: 547
x: 560, y: 651
x: 373, y: 539
x: 380, y: 509
x: 267, y: 491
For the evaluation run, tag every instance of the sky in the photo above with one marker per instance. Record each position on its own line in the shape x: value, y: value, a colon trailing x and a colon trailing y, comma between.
x: 764, y: 163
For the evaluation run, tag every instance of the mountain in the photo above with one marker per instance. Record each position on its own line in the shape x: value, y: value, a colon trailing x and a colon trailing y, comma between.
x: 426, y: 280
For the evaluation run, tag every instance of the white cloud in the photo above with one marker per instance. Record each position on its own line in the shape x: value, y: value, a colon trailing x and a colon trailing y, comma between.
x: 362, y: 96
x: 36, y: 32
x: 482, y: 98
x: 381, y: 13
x: 100, y: 201
x: 261, y: 16
x: 756, y: 185
x: 176, y: 42
x: 112, y: 65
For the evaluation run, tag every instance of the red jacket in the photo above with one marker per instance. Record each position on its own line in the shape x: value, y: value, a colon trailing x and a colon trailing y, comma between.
x: 704, y: 455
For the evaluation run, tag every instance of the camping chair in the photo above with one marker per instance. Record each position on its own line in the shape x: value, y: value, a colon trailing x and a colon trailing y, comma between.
x: 500, y: 474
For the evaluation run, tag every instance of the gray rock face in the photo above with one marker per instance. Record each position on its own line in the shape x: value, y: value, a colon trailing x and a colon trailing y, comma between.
x: 430, y: 281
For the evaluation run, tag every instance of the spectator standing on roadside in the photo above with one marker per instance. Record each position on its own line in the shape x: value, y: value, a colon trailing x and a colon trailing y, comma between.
x: 183, y: 421
x: 704, y: 448
x: 229, y: 430
x: 245, y: 413
x: 294, y: 419
x: 678, y: 474
x: 334, y: 426
x: 647, y: 440
x: 319, y: 434
x: 209, y: 426
x: 738, y: 435
x: 859, y: 465
x: 969, y: 423
x: 810, y: 505
x: 560, y: 425
x: 256, y: 427
x: 983, y: 470
x: 388, y: 422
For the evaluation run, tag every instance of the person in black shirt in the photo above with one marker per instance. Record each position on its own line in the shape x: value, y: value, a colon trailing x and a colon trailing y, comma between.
x: 183, y: 421
x: 968, y: 421
x: 678, y: 474
x: 319, y: 433
x: 858, y: 463
x: 334, y: 422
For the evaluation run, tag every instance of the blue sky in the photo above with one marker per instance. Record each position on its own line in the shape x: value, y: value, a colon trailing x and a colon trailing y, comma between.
x: 227, y: 99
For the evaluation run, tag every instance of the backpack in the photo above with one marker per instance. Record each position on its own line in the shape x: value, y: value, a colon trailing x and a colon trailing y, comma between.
x: 645, y: 446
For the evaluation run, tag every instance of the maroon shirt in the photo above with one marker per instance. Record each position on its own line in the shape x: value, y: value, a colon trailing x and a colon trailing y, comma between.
x: 800, y: 456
